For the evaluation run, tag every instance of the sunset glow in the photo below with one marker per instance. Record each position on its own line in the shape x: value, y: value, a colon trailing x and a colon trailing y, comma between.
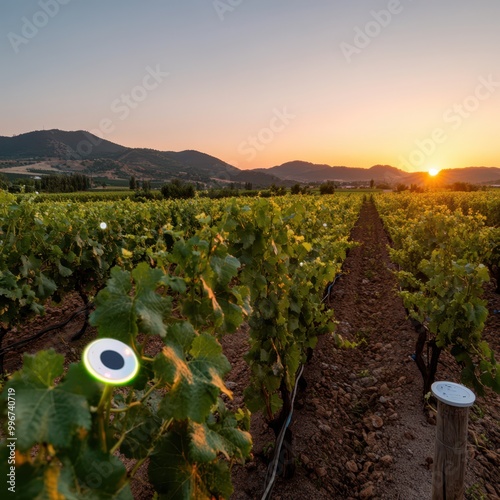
x: 434, y: 171
x: 257, y: 84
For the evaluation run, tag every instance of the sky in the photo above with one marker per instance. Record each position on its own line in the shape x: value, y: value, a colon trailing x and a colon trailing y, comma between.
x: 410, y: 83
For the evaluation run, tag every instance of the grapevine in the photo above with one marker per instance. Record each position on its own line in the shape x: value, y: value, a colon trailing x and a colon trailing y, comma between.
x: 441, y: 253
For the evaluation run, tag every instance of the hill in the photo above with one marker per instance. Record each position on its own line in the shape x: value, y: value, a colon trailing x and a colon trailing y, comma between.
x: 303, y: 171
x: 311, y: 172
x: 57, y: 144
x: 80, y: 151
x: 476, y: 175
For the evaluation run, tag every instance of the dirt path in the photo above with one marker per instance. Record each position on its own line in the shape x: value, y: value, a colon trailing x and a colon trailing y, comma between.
x: 359, y: 428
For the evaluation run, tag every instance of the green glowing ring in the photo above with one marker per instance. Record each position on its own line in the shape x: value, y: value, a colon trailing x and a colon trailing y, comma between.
x: 110, y: 361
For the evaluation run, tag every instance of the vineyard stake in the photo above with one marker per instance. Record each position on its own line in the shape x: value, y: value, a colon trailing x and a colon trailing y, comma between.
x: 450, y: 452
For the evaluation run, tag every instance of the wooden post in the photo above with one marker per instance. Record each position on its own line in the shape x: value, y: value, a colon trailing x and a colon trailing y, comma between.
x: 450, y: 453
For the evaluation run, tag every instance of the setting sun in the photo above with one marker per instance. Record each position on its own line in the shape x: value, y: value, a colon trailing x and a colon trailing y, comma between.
x: 433, y: 172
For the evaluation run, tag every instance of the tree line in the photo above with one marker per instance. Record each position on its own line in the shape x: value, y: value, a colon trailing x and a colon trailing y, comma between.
x: 52, y: 183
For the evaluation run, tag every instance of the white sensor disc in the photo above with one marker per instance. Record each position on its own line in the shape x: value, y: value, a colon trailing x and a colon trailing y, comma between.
x: 111, y: 361
x: 453, y: 394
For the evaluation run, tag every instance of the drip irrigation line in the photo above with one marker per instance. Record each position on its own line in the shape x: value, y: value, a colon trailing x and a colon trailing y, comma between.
x: 281, y: 436
x: 41, y: 333
x: 330, y: 286
x: 280, y: 439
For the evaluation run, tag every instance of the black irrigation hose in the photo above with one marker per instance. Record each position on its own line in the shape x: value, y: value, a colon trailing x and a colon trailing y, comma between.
x: 41, y: 333
x: 330, y: 286
x: 78, y: 335
x: 279, y: 441
x: 281, y: 436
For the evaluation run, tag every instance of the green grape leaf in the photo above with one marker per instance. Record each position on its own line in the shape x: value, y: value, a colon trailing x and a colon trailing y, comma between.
x: 190, y: 397
x: 97, y: 474
x: 41, y: 369
x: 176, y: 478
x: 48, y: 415
x: 219, y: 314
x: 149, y: 306
x: 181, y: 334
x: 45, y: 286
x: 482, y: 273
x: 207, y: 353
x: 238, y: 442
x: 275, y: 403
x: 79, y: 381
x: 141, y: 427
x: 177, y: 284
x: 44, y: 413
x: 224, y: 268
x: 63, y: 271
x: 205, y: 444
x: 114, y: 314
x: 117, y: 312
x: 208, y: 441
x: 195, y: 384
x: 233, y: 316
x: 254, y: 400
x: 170, y: 473
x: 248, y: 239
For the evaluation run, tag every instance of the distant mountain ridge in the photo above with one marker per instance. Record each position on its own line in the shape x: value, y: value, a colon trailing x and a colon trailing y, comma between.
x: 58, y: 144
x: 81, y: 151
x: 311, y: 172
x: 302, y: 171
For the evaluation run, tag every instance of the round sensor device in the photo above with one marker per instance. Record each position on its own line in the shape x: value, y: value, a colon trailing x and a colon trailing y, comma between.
x: 453, y: 394
x: 110, y: 361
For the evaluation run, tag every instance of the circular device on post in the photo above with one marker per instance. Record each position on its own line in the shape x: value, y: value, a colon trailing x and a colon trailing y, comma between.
x: 453, y: 394
x: 110, y: 361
